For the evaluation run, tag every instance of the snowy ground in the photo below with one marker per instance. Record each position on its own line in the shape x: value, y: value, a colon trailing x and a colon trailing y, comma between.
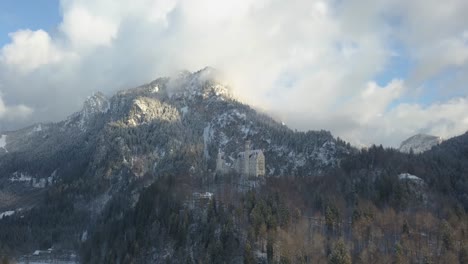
x: 7, y: 213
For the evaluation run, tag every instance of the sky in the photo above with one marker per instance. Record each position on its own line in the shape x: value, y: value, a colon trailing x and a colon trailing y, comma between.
x: 371, y: 72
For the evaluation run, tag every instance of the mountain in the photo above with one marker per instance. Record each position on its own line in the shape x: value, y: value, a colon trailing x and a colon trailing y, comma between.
x: 131, y: 178
x: 419, y: 143
x: 122, y: 144
x: 139, y: 129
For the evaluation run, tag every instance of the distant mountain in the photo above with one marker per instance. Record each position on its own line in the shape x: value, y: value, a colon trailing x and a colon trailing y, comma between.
x: 419, y: 143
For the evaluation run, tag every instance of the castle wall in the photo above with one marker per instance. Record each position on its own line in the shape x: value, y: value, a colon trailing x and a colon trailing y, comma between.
x: 250, y: 163
x: 261, y: 165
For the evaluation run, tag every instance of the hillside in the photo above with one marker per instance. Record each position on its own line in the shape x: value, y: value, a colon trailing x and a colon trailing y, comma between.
x: 123, y: 143
x: 131, y: 179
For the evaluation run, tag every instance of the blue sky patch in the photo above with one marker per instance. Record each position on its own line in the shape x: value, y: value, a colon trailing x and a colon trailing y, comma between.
x: 27, y: 14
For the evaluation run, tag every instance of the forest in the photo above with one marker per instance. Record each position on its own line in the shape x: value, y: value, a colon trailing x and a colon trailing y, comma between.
x: 361, y: 212
x: 127, y: 193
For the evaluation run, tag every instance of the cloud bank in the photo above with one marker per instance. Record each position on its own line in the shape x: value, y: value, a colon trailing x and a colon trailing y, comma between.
x: 315, y: 64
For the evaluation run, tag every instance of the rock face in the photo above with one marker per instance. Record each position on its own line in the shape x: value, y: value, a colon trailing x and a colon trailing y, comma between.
x: 94, y: 105
x: 419, y: 143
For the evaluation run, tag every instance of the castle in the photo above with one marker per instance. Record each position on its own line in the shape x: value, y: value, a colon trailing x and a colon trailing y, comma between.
x: 249, y: 163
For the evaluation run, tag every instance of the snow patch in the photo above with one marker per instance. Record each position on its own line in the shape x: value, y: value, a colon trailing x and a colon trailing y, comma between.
x: 39, y: 183
x: 3, y: 142
x: 6, y: 213
x: 410, y: 177
x: 52, y: 176
x: 205, y: 195
x: 84, y: 236
x: 20, y: 177
x: 37, y: 128
x: 36, y: 183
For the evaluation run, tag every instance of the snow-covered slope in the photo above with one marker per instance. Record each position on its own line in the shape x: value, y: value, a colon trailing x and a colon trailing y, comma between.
x: 419, y: 143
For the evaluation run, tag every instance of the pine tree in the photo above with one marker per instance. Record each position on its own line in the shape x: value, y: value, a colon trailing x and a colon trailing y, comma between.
x: 248, y: 254
x: 340, y: 254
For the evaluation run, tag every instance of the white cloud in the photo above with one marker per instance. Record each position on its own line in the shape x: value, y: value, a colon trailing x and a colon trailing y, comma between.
x: 373, y: 101
x: 85, y: 29
x: 30, y: 50
x: 444, y: 119
x: 438, y: 56
x: 311, y: 62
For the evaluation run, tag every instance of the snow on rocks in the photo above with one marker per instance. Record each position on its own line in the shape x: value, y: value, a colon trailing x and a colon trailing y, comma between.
x: 20, y: 177
x: 410, y: 177
x: 39, y: 183
x: 84, y: 236
x: 34, y: 182
x: 146, y: 109
x: 3, y: 142
x: 154, y: 89
x: 419, y: 143
x: 6, y: 213
x: 37, y: 128
x: 95, y: 104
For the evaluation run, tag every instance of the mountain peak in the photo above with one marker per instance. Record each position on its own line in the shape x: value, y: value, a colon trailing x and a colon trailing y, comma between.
x: 94, y: 104
x: 205, y: 83
x: 419, y: 143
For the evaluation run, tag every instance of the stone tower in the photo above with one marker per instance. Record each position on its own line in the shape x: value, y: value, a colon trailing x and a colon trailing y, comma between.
x: 246, y: 158
x: 220, y: 162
